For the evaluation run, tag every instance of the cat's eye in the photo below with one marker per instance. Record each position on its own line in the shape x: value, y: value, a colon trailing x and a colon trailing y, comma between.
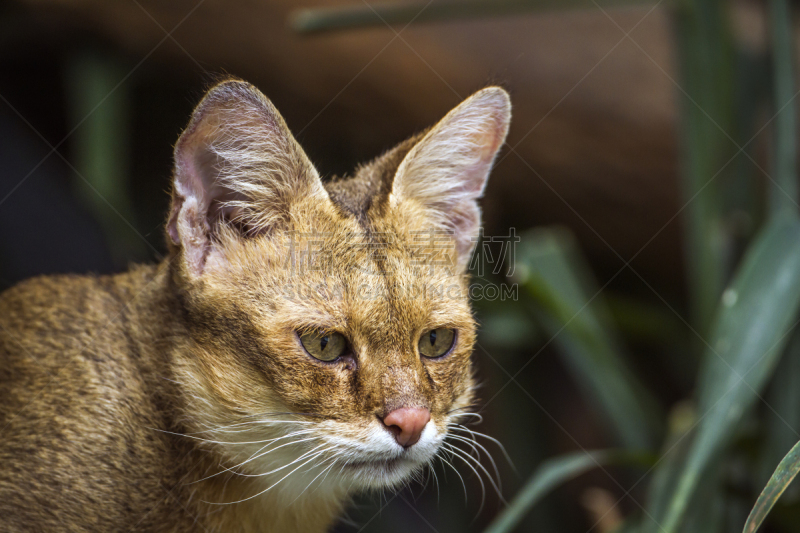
x: 325, y: 346
x: 436, y: 342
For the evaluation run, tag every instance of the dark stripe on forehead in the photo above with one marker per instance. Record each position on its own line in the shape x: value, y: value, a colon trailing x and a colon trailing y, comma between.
x: 365, y: 196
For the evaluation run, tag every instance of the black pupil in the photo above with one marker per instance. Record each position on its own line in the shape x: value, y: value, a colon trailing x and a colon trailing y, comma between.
x: 323, y: 342
x: 433, y: 337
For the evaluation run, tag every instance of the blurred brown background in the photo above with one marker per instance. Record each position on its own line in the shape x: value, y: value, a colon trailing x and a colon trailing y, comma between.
x: 592, y: 146
x: 593, y: 130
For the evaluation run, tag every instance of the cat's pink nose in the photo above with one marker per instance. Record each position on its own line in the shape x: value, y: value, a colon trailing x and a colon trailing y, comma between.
x: 407, y: 424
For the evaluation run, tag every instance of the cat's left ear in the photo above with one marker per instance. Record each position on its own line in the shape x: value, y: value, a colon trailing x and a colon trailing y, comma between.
x: 238, y: 169
x: 447, y: 170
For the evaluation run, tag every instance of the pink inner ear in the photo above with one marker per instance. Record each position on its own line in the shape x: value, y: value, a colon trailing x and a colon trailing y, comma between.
x: 474, y: 177
x: 172, y: 223
x: 490, y: 141
x: 198, y: 182
x: 187, y: 225
x: 448, y: 169
x: 215, y: 195
x: 189, y: 189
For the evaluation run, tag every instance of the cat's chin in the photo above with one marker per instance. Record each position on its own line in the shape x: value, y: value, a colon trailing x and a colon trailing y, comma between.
x: 381, y: 473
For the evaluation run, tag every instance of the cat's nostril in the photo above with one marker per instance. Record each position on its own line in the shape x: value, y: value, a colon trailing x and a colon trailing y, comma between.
x: 406, y: 424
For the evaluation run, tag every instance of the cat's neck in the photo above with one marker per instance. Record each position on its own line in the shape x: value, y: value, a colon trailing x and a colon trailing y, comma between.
x: 231, y: 501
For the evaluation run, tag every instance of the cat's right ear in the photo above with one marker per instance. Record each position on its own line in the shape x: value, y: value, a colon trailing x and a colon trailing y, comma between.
x: 236, y: 164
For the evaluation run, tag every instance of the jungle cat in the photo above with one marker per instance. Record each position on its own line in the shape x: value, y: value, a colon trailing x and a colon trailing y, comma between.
x: 301, y: 341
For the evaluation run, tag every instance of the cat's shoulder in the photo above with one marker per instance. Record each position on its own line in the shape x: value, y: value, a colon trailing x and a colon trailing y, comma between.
x: 62, y: 298
x: 58, y: 316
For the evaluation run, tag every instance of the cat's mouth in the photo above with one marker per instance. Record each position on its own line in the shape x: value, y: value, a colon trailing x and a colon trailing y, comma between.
x: 385, y: 465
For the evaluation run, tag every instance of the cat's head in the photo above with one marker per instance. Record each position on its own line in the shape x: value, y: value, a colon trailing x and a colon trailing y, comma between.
x: 329, y: 322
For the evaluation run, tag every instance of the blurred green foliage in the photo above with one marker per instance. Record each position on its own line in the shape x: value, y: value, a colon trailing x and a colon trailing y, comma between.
x: 713, y: 452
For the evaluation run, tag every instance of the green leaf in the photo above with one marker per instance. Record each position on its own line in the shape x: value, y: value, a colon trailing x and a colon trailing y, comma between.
x: 99, y: 107
x: 638, y: 320
x: 682, y: 418
x: 706, y: 58
x: 758, y: 311
x: 382, y: 13
x: 508, y: 328
x: 571, y: 309
x: 784, y: 474
x: 782, y: 419
x: 784, y: 193
x: 555, y: 472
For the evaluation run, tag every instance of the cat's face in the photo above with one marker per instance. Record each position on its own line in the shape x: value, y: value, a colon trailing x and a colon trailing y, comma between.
x: 330, y: 328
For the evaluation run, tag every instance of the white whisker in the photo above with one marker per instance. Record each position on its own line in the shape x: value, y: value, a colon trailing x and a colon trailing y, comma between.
x: 473, y: 445
x: 461, y: 427
x: 326, y: 469
x: 463, y: 484
x: 259, y: 453
x: 460, y: 455
x: 303, y: 456
x: 255, y: 456
x: 479, y: 465
x: 208, y: 440
x: 268, y: 488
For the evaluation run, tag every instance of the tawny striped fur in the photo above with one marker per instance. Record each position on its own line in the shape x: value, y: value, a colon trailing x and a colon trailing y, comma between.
x: 178, y: 397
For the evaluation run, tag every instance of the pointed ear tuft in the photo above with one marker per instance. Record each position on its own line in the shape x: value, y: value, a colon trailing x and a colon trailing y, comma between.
x: 236, y: 164
x: 447, y: 170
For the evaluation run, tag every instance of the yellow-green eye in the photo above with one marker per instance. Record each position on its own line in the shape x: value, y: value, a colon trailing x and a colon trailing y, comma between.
x: 324, y: 346
x: 436, y: 342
